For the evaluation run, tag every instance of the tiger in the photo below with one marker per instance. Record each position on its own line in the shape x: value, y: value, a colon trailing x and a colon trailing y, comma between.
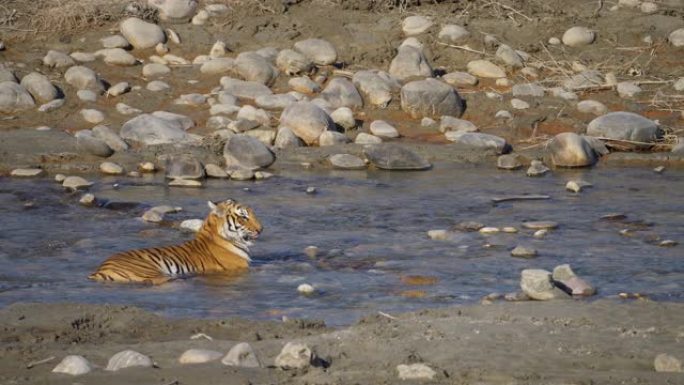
x: 220, y: 246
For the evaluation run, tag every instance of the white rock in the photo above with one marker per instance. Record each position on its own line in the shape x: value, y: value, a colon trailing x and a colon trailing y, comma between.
x: 157, y: 86
x: 242, y: 355
x: 628, y: 89
x: 578, y: 36
x: 344, y: 117
x: 509, y: 56
x: 92, y: 116
x: 56, y: 59
x: 142, y: 34
x: 452, y: 33
x: 668, y: 363
x: 629, y: 3
x: 519, y: 104
x: 193, y: 225
x: 75, y: 183
x: 450, y: 123
x: 592, y: 107
x: 27, y: 172
x: 320, y: 51
x: 127, y: 359
x: 74, y: 365
x: 155, y: 69
x: 111, y: 168
x: 83, y: 56
x: 218, y: 50
x: 40, y: 87
x: 304, y: 85
x: 198, y: 356
x: 174, y: 9
x: 383, y: 129
x: 554, y: 41
x: 294, y: 356
x: 648, y: 7
x: 83, y: 78
x: 504, y: 115
x: 117, y: 56
x: 125, y: 109
x: 119, y: 89
x: 218, y: 66
x: 415, y: 372
x: 87, y: 200
x: 200, y: 18
x: 503, y: 82
x: 676, y: 38
x: 51, y: 106
x: 331, y: 138
x: 460, y: 79
x: 364, y: 138
x: 161, y: 49
x: 679, y: 84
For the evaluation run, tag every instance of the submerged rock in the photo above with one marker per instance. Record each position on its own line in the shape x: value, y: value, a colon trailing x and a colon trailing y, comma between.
x: 182, y: 166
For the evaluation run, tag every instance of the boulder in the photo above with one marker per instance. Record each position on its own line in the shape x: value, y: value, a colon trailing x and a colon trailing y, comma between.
x: 341, y: 92
x: 395, y: 157
x: 246, y: 152
x: 377, y: 87
x: 409, y: 62
x: 149, y: 129
x: 477, y: 141
x: 253, y: 67
x: 568, y: 149
x: 320, y: 51
x: 14, y: 97
x: 141, y: 34
x: 307, y: 121
x: 40, y: 87
x: 182, y: 166
x: 83, y: 78
x: 625, y: 126
x: 432, y: 98
x: 87, y: 142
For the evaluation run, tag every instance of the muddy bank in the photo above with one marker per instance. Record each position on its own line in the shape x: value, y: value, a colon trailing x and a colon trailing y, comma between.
x: 605, y: 342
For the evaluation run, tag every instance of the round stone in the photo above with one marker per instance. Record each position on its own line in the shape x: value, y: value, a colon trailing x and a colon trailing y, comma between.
x: 578, y: 36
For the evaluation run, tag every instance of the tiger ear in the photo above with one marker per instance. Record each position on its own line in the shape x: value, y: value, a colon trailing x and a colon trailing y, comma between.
x: 213, y: 208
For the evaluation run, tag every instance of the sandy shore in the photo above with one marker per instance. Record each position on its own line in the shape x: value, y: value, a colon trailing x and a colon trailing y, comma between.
x: 564, y: 342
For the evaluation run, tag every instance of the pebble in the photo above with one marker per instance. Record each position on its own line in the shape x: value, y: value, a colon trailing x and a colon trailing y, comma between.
x: 554, y: 41
x: 503, y: 82
x: 469, y: 226
x: 311, y: 190
x: 119, y: 89
x: 92, y: 116
x: 519, y: 104
x: 199, y: 356
x: 125, y: 109
x: 364, y: 138
x: 452, y: 33
x: 155, y: 69
x: 87, y: 199
x: 578, y: 36
x: 668, y: 363
x: 74, y: 365
x: 668, y: 243
x: 242, y: 174
x: 157, y: 85
x: 262, y: 175
x: 86, y: 95
x: 628, y: 89
x: 311, y: 251
x: 74, y: 182
x: 59, y: 178
x: 592, y: 107
x: 659, y: 169
x: 489, y: 230
x: 181, y: 182
x: 242, y: 355
x: 294, y: 356
x: 27, y: 172
x: 509, y: 230
x: 111, y: 168
x: 460, y: 79
x: 577, y: 185
x: 51, y: 106
x: 43, y: 128
x: 147, y: 167
x: 127, y: 359
x: 383, y: 129
x: 438, y: 234
x: 415, y: 372
x: 528, y: 89
x: 305, y: 289
x: 523, y: 252
x: 679, y: 84
x: 648, y: 7
x: 537, y: 168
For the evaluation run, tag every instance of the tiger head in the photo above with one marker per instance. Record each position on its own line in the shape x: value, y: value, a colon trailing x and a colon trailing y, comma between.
x: 234, y: 222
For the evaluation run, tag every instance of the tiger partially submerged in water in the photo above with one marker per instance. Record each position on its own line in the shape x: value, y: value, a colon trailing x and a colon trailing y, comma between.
x: 220, y: 246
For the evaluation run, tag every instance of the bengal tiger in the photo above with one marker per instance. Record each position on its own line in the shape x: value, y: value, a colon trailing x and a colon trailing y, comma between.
x: 220, y: 246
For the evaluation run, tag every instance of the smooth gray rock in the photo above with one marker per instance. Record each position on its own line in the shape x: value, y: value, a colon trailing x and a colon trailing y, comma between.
x: 509, y: 162
x: 73, y: 365
x: 182, y: 166
x: 449, y: 123
x: 676, y: 37
x: 332, y: 138
x: 347, y: 162
x: 566, y: 279
x: 416, y: 24
x: 410, y: 62
x: 118, y: 89
x: 537, y: 284
x: 117, y: 56
x: 477, y: 141
x: 395, y: 157
x: 141, y: 34
x: 628, y: 89
x: 275, y: 102
x: 460, y: 79
x: 268, y: 53
x: 51, y: 106
x: 293, y: 63
x: 344, y: 117
x: 198, y: 356
x: 83, y: 78
x: 244, y: 89
x: 509, y: 56
x: 150, y: 130
x: 7, y: 75
x: 75, y: 183
x: 485, y: 69
x: 523, y: 252
x: 568, y: 149
x: 175, y: 9
x: 307, y: 121
x: 157, y: 86
x: 155, y: 69
x: 87, y: 142
x: 56, y: 59
x: 383, y: 129
x: 40, y: 87
x: 320, y: 51
x: 243, y: 151
x: 592, y: 107
x: 286, y: 138
x: 111, y: 168
x: 377, y: 87
x: 585, y: 79
x: 111, y: 138
x: 364, y: 138
x: 537, y: 168
x: 431, y: 98
x: 253, y: 67
x: 127, y: 359
x: 216, y: 66
x: 115, y: 41
x: 92, y: 116
x: 242, y: 355
x: 193, y: 99
x: 625, y: 126
x: 14, y: 97
x: 215, y: 171
x: 258, y: 115
x: 578, y: 36
x: 304, y: 85
x: 341, y: 92
x: 185, y: 121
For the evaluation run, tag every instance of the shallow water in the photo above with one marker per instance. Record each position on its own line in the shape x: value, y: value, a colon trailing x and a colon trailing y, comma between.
x: 371, y: 230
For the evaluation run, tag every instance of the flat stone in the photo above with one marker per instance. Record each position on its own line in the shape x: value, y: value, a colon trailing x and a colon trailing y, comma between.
x: 383, y: 129
x: 83, y: 57
x: 509, y: 56
x: 51, y: 106
x: 364, y: 138
x: 628, y: 89
x: 577, y: 185
x: 111, y: 168
x: 293, y: 63
x: 332, y: 138
x: 566, y: 279
x: 415, y: 25
x: 27, y: 172
x: 119, y: 89
x: 537, y: 225
x: 157, y: 86
x: 253, y: 67
x: 214, y: 171
x: 460, y: 79
x: 341, y: 92
x: 218, y: 66
x: 86, y: 96
x: 275, y: 102
x: 115, y: 41
x: 155, y: 69
x: 347, y: 162
x: 450, y: 123
x: 395, y: 157
x: 92, y: 115
x: 150, y: 129
x: 76, y: 183
x: 198, y: 356
x: 625, y: 126
x: 592, y: 107
x: 242, y: 174
x: 476, y: 141
x: 117, y: 56
x: 244, y: 89
x: 74, y: 365
x: 537, y: 168
x: 175, y: 10
x: 111, y: 138
x: 344, y: 117
x: 415, y: 372
x: 519, y: 104
x: 185, y: 183
x: 304, y: 85
x: 191, y: 225
x: 286, y: 138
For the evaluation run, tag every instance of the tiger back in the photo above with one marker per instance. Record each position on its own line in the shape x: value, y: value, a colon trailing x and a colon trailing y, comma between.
x: 220, y: 246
